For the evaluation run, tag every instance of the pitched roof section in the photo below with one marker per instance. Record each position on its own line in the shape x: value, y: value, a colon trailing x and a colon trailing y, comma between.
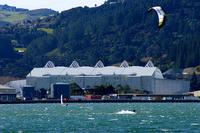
x: 91, y: 71
x: 149, y: 64
x: 124, y: 64
x: 99, y: 64
x: 74, y: 64
x: 75, y: 70
x: 49, y: 64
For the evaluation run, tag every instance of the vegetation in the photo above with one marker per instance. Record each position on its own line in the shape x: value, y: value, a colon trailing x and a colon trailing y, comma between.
x: 195, y: 83
x: 41, y: 12
x: 111, y: 32
x: 101, y: 90
x: 123, y: 90
x: 109, y: 89
x: 12, y: 15
x: 47, y: 30
x: 75, y: 89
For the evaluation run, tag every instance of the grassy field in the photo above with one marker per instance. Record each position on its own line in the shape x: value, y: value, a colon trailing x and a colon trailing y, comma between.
x: 55, y: 53
x: 47, y: 30
x: 11, y: 17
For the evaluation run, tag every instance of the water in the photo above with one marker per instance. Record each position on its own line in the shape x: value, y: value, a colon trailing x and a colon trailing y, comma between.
x: 100, y: 118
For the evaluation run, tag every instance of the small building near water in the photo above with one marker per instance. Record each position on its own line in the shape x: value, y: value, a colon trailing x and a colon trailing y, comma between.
x: 7, y: 94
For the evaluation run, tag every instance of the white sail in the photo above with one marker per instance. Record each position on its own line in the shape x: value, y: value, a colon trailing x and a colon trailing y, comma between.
x: 61, y: 99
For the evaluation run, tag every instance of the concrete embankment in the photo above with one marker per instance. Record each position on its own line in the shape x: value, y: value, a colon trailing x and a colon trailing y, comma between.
x: 101, y: 101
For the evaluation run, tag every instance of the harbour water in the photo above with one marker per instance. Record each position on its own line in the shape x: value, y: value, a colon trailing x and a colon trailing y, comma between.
x: 100, y: 118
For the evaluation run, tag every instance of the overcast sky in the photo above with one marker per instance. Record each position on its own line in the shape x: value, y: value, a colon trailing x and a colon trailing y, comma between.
x: 58, y: 5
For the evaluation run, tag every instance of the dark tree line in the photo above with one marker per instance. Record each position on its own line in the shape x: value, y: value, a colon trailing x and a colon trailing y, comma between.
x: 111, y: 33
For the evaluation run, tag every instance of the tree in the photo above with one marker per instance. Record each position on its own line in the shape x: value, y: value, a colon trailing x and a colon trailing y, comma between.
x: 6, y: 50
x: 194, y: 83
x: 111, y: 33
x: 123, y: 89
x: 75, y: 89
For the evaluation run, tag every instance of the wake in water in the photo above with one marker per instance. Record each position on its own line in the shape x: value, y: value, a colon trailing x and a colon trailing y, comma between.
x: 126, y: 112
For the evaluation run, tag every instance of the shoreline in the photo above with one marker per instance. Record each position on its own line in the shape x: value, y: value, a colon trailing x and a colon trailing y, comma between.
x: 100, y: 101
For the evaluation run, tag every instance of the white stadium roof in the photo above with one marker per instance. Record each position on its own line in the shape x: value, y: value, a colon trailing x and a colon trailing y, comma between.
x: 96, y: 71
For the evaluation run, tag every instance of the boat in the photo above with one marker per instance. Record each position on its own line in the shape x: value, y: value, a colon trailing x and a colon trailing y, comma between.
x: 61, y: 100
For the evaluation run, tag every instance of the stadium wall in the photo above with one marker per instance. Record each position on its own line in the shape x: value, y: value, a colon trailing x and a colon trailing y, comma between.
x: 148, y: 83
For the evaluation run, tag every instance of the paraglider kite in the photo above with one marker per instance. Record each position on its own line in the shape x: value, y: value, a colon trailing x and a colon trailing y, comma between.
x: 160, y: 13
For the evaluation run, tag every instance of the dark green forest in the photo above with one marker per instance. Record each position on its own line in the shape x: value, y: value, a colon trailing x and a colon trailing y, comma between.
x: 111, y: 33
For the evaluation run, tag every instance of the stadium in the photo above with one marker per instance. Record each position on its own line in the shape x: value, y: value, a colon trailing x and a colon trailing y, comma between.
x: 148, y: 78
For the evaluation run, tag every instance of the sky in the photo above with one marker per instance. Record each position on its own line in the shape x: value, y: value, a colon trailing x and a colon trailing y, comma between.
x: 58, y: 5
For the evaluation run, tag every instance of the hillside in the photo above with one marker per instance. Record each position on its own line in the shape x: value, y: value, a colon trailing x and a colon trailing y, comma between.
x: 113, y: 32
x: 11, y: 15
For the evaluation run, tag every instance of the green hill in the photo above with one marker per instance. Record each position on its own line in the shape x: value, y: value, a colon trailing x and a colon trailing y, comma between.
x: 113, y: 32
x: 11, y: 15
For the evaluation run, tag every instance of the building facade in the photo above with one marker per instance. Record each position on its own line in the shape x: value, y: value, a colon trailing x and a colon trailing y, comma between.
x: 148, y: 78
x: 7, y: 94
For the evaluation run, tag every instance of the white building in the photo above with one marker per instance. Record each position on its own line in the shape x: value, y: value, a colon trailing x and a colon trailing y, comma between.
x: 147, y: 78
